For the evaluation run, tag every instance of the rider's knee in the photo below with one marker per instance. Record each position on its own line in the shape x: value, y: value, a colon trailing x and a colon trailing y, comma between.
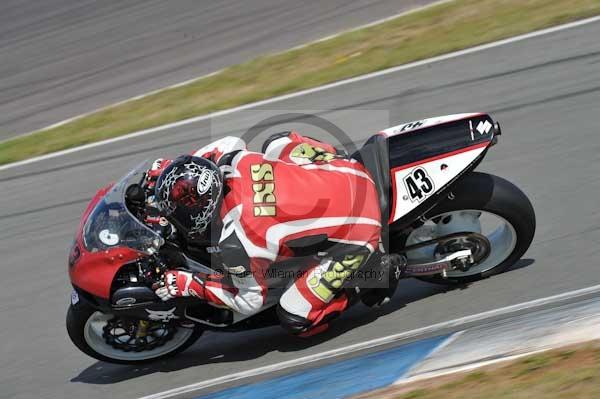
x: 291, y: 322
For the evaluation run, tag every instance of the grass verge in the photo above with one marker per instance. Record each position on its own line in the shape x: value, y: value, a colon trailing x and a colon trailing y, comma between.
x: 572, y: 372
x: 433, y: 31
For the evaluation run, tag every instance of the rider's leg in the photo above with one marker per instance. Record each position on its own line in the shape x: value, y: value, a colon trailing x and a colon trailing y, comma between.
x: 318, y: 296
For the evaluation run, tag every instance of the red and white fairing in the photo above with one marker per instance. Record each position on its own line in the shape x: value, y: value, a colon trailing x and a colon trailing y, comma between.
x: 412, y: 183
x: 440, y: 170
x: 424, y: 123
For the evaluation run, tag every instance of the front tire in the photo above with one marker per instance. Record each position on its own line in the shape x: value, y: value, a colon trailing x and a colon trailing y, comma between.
x: 86, y: 336
x: 490, y: 195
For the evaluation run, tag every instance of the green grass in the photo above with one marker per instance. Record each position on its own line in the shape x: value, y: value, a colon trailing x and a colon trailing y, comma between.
x: 437, y: 30
x: 556, y: 374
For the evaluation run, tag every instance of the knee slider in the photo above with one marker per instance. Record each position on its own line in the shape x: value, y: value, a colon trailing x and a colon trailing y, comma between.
x: 292, y: 323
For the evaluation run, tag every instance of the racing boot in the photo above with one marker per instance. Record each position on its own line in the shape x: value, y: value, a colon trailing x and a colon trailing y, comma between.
x: 393, y: 267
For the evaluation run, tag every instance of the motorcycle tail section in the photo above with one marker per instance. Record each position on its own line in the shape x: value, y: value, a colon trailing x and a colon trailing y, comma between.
x: 427, y: 156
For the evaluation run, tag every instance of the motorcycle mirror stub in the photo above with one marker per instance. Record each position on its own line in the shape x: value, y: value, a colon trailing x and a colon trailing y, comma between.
x: 156, y: 244
x: 74, y: 297
x: 497, y: 129
x: 135, y: 195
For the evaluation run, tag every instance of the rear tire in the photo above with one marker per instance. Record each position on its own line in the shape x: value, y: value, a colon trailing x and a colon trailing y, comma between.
x: 495, y: 195
x: 77, y: 319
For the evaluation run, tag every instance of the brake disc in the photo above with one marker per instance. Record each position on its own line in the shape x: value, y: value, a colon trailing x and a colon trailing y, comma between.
x: 130, y: 336
x: 477, y: 243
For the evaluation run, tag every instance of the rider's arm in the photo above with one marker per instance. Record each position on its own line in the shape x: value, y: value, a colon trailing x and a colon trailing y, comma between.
x: 215, y: 150
x: 155, y: 170
x: 242, y: 288
x: 247, y: 288
x: 242, y: 293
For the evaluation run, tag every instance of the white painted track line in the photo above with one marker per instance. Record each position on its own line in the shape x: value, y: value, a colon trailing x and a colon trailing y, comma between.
x: 465, y: 368
x: 377, y: 342
x: 309, y: 91
x: 185, y: 82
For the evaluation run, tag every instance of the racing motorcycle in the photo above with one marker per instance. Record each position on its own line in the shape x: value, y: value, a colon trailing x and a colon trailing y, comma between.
x: 448, y: 224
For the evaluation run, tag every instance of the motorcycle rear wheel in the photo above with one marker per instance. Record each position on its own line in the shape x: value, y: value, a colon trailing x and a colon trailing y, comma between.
x: 85, y: 327
x: 490, y: 196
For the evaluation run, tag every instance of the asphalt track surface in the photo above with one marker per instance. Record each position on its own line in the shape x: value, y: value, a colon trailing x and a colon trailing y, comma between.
x: 61, y: 58
x: 544, y: 90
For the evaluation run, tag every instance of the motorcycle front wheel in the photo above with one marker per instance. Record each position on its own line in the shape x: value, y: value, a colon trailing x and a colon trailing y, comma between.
x: 116, y: 340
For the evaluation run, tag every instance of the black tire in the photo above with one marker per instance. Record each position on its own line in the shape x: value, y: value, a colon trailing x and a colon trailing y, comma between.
x: 77, y: 316
x: 482, y: 191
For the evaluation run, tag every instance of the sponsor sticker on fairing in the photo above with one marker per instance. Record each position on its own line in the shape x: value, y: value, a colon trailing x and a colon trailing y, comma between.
x: 108, y: 238
x: 74, y: 297
x: 162, y: 315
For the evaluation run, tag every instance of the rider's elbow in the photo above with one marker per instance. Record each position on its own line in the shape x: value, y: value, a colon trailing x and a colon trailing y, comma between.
x: 250, y: 304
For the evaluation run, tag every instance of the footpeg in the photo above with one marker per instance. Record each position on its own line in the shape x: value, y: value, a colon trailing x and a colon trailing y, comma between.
x: 394, y: 266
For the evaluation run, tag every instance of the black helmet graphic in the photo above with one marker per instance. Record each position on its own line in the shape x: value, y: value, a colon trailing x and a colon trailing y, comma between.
x: 189, y: 192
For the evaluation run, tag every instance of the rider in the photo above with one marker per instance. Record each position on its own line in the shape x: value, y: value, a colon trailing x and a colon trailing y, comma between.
x: 262, y: 208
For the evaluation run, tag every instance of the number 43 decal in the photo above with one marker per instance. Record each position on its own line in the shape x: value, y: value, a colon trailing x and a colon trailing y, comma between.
x: 418, y: 185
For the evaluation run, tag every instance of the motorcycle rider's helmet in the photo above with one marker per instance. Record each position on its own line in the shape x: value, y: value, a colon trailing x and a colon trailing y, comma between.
x: 189, y: 193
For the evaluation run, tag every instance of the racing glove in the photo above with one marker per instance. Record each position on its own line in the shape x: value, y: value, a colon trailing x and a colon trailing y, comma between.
x: 155, y: 170
x: 179, y: 283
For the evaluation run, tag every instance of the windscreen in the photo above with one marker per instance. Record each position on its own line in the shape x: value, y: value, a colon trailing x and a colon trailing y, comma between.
x: 111, y: 224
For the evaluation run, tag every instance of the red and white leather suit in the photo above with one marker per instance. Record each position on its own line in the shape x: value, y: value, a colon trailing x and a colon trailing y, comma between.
x: 298, y: 188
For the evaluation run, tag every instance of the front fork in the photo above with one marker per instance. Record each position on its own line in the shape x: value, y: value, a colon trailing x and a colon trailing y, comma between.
x: 142, y: 329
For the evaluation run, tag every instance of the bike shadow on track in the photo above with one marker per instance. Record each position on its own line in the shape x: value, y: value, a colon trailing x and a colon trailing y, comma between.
x: 243, y: 346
